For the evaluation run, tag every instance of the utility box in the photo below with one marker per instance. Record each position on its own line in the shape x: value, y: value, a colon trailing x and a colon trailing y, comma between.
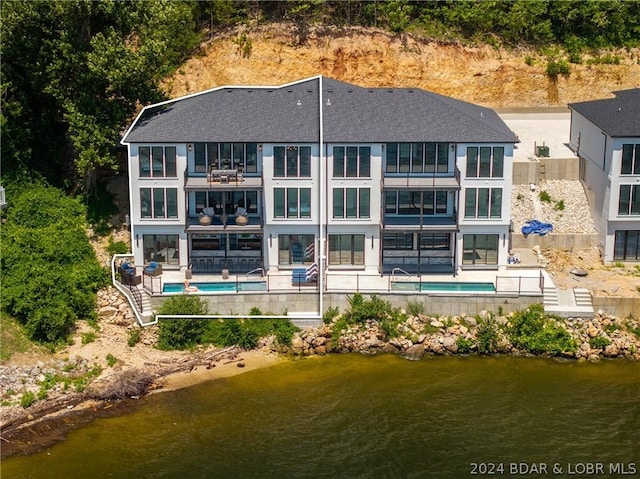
x: 542, y: 151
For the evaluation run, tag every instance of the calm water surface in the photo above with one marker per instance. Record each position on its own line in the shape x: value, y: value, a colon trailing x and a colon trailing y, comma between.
x: 351, y: 416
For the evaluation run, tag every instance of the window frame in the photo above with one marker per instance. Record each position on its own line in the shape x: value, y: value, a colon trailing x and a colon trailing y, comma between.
x: 292, y: 203
x: 492, y: 166
x: 632, y: 161
x: 629, y: 200
x: 351, y: 203
x: 162, y: 203
x: 289, y: 162
x: 351, y: 256
x: 483, y: 203
x: 476, y: 248
x: 157, y: 161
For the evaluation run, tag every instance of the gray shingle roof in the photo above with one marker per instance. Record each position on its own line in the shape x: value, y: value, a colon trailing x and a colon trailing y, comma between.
x: 617, y: 117
x: 291, y: 113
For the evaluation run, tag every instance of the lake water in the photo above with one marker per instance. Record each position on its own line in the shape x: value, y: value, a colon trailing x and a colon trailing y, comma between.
x: 353, y: 416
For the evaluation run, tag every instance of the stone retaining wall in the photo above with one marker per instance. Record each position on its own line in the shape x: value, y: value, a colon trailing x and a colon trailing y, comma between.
x: 564, y: 242
x: 442, y: 304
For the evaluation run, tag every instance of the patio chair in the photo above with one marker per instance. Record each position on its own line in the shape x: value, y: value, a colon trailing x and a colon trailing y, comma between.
x: 154, y: 269
x: 127, y: 268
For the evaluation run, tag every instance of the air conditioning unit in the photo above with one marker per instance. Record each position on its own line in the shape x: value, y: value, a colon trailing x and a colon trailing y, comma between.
x: 542, y: 151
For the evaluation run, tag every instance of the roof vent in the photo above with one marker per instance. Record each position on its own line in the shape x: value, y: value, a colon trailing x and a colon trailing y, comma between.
x: 299, y: 103
x: 328, y: 101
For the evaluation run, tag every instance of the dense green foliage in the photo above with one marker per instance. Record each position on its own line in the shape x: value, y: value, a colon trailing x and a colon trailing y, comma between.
x: 531, y: 330
x: 362, y: 310
x: 488, y: 336
x: 49, y: 270
x: 181, y: 333
x: 74, y: 73
x: 245, y: 333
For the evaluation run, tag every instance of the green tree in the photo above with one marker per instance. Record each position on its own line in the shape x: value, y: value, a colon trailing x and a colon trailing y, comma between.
x: 48, y: 270
x: 181, y: 333
x: 74, y: 73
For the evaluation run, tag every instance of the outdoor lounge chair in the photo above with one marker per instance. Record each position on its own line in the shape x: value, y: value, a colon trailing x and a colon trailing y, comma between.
x: 154, y: 269
x: 127, y: 268
x: 308, y: 275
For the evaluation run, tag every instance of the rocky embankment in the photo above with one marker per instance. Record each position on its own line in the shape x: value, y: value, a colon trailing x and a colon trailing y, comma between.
x: 563, y: 203
x: 422, y: 334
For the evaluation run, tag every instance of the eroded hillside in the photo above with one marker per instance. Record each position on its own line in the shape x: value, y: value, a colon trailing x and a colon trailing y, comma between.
x: 271, y: 55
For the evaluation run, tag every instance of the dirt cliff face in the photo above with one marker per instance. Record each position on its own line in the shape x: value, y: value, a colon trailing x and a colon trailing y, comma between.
x: 270, y: 55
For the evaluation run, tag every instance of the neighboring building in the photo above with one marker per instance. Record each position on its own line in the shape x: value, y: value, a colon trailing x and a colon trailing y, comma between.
x: 371, y: 179
x: 605, y: 134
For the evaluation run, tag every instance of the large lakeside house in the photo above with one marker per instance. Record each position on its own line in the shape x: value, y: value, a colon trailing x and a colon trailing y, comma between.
x: 605, y: 134
x: 318, y: 171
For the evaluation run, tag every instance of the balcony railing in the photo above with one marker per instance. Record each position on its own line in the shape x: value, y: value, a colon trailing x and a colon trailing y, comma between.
x: 436, y: 181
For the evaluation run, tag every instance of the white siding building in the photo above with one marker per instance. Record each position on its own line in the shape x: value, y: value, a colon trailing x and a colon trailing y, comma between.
x: 320, y: 171
x: 605, y: 134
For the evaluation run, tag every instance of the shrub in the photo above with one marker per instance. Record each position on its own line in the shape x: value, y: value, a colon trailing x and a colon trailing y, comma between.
x: 134, y: 337
x: 28, y: 398
x: 487, y: 336
x: 544, y: 197
x: 361, y: 310
x: 181, y: 333
x: 49, y: 271
x: 329, y: 314
x: 465, y: 346
x: 599, y: 342
x: 89, y: 337
x: 118, y: 247
x: 558, y: 67
x: 559, y: 205
x: 111, y: 360
x: 532, y: 331
x: 415, y: 308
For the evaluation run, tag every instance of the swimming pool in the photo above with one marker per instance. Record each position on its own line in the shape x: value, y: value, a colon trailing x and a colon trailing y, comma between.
x: 443, y: 286
x: 228, y: 286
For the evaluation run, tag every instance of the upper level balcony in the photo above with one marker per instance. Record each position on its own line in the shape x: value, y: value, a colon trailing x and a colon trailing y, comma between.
x: 222, y: 179
x: 393, y: 222
x: 422, y: 181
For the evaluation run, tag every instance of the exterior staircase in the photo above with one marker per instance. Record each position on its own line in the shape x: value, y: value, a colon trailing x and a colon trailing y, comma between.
x: 568, y: 303
x: 550, y: 296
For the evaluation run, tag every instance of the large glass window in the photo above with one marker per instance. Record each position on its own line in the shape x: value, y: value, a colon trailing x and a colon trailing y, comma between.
x: 403, y: 241
x: 630, y: 159
x: 222, y: 201
x: 480, y: 249
x: 351, y: 161
x: 219, y: 156
x: 629, y: 201
x: 485, y: 162
x: 351, y: 202
x: 157, y: 161
x: 161, y: 248
x: 346, y: 249
x: 483, y: 203
x: 292, y: 161
x: 409, y: 202
x: 158, y: 202
x: 296, y: 249
x: 417, y: 158
x: 435, y: 241
x: 292, y: 202
x: 627, y: 245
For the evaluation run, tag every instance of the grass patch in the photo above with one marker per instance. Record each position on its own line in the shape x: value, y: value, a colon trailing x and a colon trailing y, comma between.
x: 599, y: 342
x: 89, y: 337
x: 14, y: 340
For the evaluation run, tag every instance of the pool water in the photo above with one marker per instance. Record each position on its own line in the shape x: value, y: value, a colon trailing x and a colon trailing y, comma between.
x: 443, y: 286
x: 217, y: 287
